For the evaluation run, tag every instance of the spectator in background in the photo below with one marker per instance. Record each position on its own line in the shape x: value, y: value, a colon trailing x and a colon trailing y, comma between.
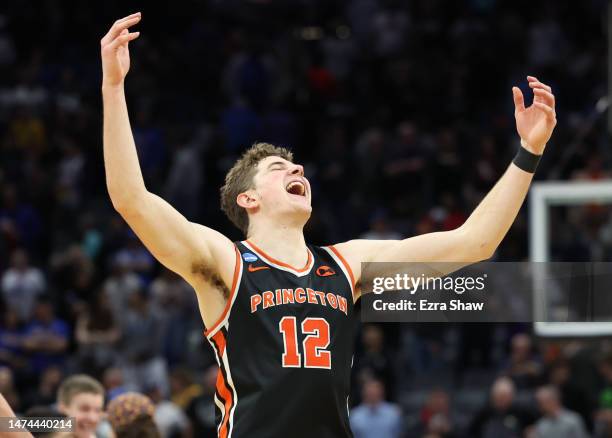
x: 594, y: 169
x: 113, y: 382
x: 151, y: 145
x: 448, y: 164
x: 375, y: 417
x: 435, y: 416
x: 557, y: 422
x: 240, y: 125
x: 603, y: 416
x: 46, y: 392
x: 575, y: 397
x: 370, y: 154
x: 183, y: 387
x: 90, y: 236
x: 390, y: 26
x: 375, y: 361
x: 502, y: 418
x: 71, y: 273
x: 136, y: 258
x: 424, y: 348
x: 11, y: 340
x: 172, y: 301
x: 406, y: 166
x: 450, y: 215
x: 603, y: 425
x: 69, y: 182
x: 132, y: 416
x: 171, y: 420
x: 46, y: 337
x: 523, y: 367
x: 119, y: 286
x: 201, y: 409
x: 97, y: 332
x: 143, y: 364
x: 184, y: 182
x: 487, y: 168
x: 20, y: 223
x: 82, y: 398
x: 547, y: 44
x: 22, y: 284
x: 380, y: 228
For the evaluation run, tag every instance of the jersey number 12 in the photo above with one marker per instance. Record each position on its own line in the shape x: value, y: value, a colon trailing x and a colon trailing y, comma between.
x: 314, y: 345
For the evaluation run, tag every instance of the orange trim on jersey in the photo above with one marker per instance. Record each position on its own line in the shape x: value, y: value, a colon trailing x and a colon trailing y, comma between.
x: 231, y: 296
x: 219, y: 339
x: 278, y: 262
x: 222, y: 386
x: 347, y: 266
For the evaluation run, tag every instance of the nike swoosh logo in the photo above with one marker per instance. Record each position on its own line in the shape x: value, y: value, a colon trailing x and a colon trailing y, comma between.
x: 257, y: 268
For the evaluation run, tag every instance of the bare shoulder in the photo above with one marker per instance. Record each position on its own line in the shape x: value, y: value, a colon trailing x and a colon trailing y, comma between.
x: 217, y: 259
x: 212, y: 272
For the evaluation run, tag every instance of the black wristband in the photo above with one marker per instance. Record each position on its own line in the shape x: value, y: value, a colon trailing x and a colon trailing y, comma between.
x: 526, y: 160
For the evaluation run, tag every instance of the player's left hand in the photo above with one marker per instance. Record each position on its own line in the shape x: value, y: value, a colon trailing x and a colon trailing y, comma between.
x: 535, y: 123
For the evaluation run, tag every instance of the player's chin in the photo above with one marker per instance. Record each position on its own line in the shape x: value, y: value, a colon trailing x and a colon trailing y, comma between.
x: 307, y: 210
x: 301, y: 202
x: 304, y: 206
x: 301, y: 209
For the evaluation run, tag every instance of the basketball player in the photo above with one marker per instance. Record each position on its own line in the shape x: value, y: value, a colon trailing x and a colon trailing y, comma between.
x: 278, y: 311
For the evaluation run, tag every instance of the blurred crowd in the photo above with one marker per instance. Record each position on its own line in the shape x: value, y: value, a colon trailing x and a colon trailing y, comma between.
x: 401, y: 112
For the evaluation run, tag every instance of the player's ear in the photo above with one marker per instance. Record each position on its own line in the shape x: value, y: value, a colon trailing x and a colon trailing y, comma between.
x: 248, y: 200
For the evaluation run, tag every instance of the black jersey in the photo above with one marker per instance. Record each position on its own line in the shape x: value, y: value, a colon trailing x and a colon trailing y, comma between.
x: 284, y: 345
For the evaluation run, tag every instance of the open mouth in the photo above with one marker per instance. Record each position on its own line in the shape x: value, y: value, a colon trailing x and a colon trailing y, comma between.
x: 296, y: 188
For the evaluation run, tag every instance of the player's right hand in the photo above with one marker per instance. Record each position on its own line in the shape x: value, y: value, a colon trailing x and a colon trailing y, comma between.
x: 115, y: 53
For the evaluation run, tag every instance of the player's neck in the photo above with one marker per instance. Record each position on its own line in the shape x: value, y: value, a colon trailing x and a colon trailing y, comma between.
x: 286, y: 244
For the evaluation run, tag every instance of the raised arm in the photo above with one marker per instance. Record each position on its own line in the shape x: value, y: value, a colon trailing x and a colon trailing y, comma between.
x: 480, y: 235
x: 184, y: 247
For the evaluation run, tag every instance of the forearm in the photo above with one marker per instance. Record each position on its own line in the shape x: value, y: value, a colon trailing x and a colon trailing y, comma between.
x: 491, y: 220
x: 123, y: 175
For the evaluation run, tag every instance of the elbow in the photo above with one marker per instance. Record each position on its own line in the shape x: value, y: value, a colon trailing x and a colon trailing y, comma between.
x: 478, y: 248
x: 483, y: 249
x: 121, y: 206
x: 484, y: 252
x: 126, y: 203
x: 125, y: 196
x: 129, y: 212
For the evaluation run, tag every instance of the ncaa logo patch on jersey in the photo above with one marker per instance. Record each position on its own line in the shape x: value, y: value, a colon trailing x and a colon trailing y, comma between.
x: 249, y: 257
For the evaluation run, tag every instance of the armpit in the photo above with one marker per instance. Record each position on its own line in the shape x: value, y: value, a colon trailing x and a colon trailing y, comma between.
x: 210, y: 276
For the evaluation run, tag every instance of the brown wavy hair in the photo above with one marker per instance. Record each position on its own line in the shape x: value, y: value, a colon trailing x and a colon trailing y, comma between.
x: 240, y: 179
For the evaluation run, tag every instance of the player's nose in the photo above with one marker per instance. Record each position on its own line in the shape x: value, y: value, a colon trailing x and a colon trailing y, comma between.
x: 297, y: 169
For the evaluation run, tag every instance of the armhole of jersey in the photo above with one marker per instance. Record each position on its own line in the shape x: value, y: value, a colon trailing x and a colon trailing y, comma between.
x: 230, y: 300
x: 346, y: 268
